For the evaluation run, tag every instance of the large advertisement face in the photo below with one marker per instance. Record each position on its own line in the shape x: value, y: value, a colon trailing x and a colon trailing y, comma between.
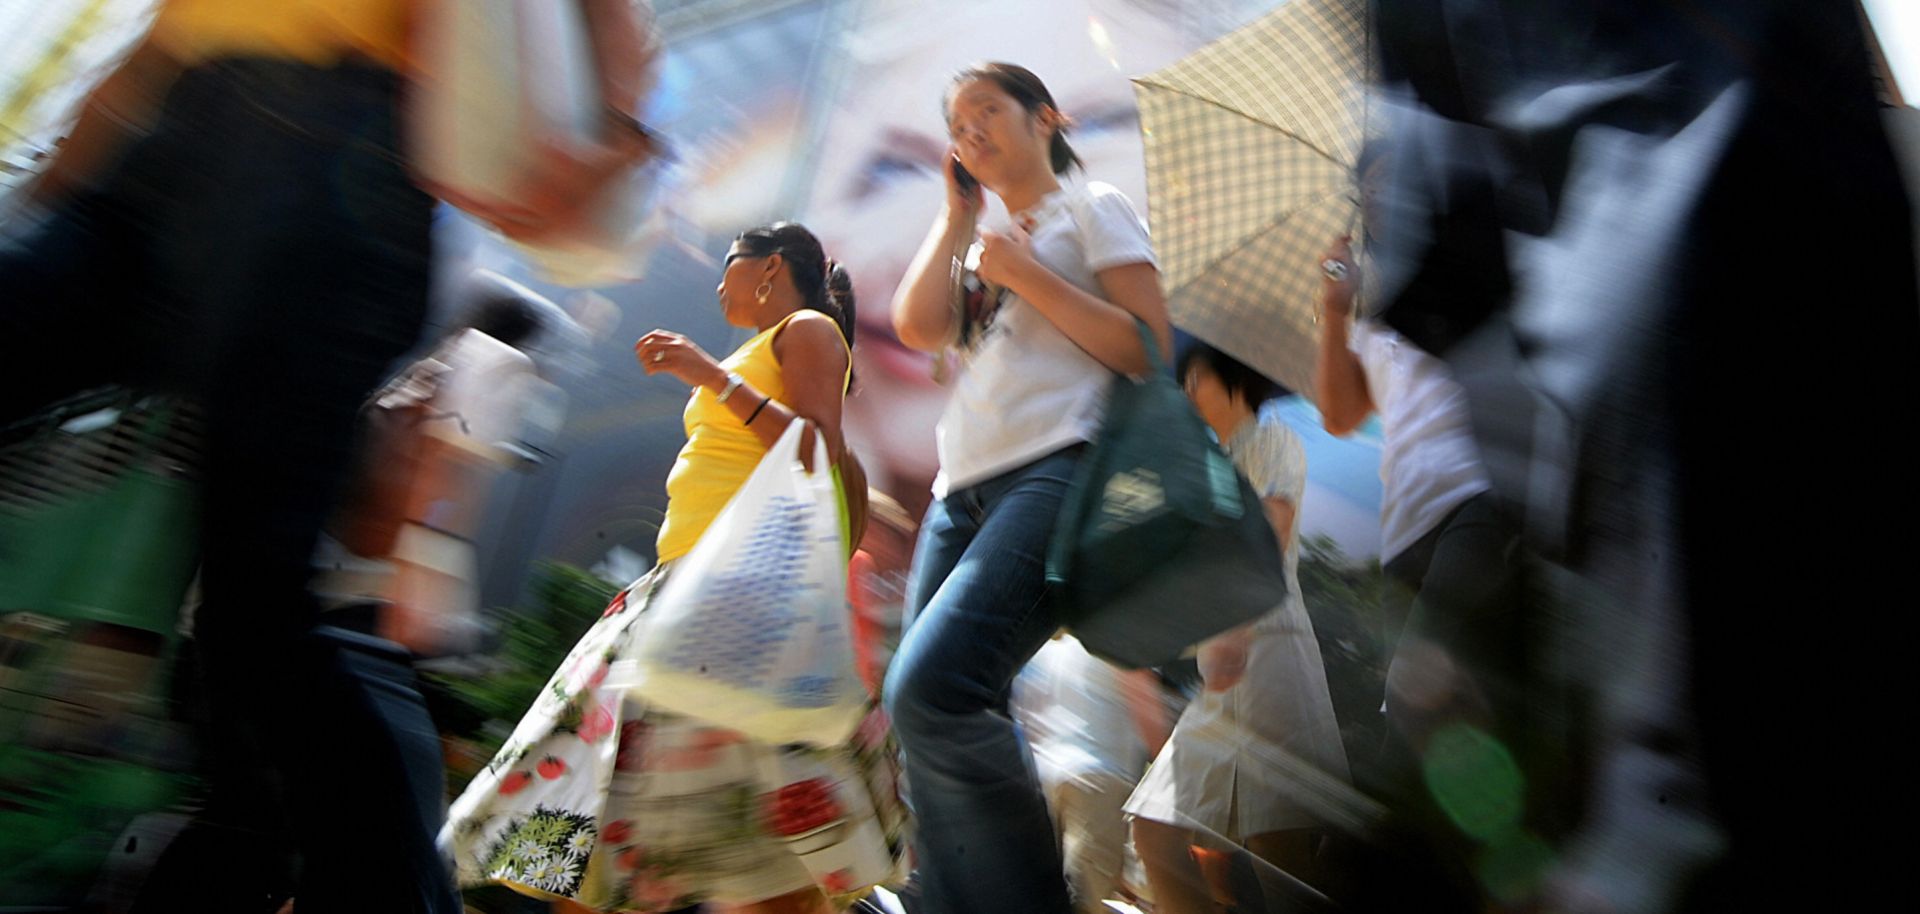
x: 830, y: 114
x: 824, y: 111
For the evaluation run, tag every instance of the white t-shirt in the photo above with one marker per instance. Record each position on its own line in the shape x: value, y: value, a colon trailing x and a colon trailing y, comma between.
x: 1428, y: 462
x: 1272, y: 458
x: 1028, y: 390
x: 489, y: 386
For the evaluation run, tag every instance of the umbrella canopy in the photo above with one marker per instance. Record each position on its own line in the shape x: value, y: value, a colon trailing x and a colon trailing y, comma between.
x: 1250, y: 149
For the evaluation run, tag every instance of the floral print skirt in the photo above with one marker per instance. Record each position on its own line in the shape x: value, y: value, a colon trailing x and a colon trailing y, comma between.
x: 600, y: 799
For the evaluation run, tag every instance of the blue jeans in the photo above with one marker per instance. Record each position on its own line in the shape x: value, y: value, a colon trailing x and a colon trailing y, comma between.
x: 979, y: 613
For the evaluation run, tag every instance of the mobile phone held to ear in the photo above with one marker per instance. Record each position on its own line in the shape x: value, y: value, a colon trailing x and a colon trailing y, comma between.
x: 968, y: 183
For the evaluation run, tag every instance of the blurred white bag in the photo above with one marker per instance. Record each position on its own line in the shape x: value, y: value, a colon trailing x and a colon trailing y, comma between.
x: 751, y: 630
x: 625, y: 233
x: 499, y: 79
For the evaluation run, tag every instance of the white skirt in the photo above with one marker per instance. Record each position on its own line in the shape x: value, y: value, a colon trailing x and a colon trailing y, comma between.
x: 1254, y: 758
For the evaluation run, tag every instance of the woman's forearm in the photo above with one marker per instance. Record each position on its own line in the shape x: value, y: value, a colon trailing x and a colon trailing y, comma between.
x: 1340, y: 382
x: 620, y: 34
x: 1107, y: 331
x: 768, y: 418
x: 922, y: 313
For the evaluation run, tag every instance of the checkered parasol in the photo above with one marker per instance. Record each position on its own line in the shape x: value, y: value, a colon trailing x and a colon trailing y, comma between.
x: 1250, y: 147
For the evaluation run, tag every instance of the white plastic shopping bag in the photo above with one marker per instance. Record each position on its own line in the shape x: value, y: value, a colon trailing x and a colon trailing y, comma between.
x: 751, y: 630
x: 500, y: 78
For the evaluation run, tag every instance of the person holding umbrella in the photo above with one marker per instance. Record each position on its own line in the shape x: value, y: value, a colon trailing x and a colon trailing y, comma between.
x: 1065, y: 289
x: 1443, y: 541
x: 1452, y: 625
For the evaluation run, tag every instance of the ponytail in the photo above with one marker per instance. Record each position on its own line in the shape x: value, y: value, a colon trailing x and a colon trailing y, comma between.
x: 837, y: 298
x: 823, y: 284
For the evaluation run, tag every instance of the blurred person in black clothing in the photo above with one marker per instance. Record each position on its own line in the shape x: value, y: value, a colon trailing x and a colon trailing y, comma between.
x: 232, y: 218
x: 1649, y: 238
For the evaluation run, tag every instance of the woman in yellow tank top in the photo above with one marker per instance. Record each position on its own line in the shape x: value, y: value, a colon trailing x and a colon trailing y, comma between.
x: 796, y: 368
x: 603, y: 803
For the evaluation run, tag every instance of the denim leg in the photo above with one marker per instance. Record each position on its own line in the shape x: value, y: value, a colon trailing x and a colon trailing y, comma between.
x: 986, y: 842
x: 945, y: 533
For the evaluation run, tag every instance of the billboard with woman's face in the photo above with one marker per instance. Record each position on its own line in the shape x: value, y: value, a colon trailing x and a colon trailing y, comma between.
x: 829, y: 113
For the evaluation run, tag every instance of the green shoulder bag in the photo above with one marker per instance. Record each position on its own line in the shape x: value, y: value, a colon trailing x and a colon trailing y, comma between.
x: 1161, y: 544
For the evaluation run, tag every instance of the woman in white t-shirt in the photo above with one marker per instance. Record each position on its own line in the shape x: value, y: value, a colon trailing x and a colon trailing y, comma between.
x: 1066, y: 284
x: 1250, y: 756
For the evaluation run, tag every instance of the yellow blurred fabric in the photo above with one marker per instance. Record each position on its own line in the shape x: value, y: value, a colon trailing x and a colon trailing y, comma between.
x: 721, y: 452
x: 320, y: 32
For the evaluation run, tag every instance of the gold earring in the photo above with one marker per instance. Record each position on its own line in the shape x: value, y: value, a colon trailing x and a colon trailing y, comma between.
x: 760, y: 294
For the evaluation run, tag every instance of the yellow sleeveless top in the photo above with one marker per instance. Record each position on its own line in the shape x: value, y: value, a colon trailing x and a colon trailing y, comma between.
x: 721, y: 451
x: 319, y: 32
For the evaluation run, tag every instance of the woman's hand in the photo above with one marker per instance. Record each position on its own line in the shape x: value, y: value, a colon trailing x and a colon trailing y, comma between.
x: 1339, y: 379
x: 960, y: 199
x: 555, y: 199
x: 669, y: 352
x: 922, y: 309
x: 1223, y: 658
x: 1336, y: 295
x: 1006, y: 259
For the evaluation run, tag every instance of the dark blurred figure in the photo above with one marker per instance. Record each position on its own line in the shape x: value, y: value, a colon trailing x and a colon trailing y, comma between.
x: 399, y: 560
x: 1652, y: 239
x: 1454, y: 617
x: 232, y: 219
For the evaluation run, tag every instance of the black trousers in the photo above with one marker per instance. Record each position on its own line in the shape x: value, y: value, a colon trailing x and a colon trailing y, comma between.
x: 1455, y: 625
x: 1458, y: 589
x: 262, y: 251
